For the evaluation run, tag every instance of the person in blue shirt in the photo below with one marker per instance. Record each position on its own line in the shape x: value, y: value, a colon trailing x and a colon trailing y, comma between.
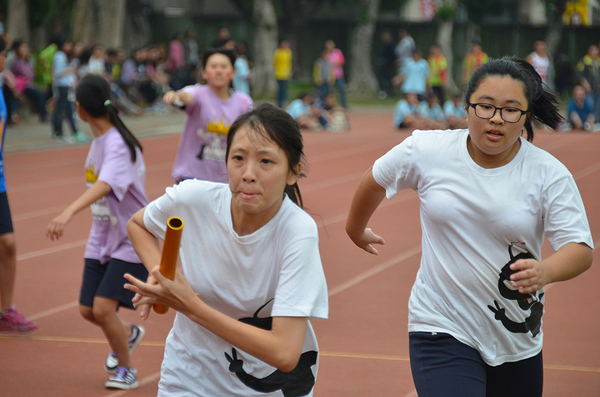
x: 305, y: 112
x: 413, y: 75
x: 580, y: 112
x: 64, y: 77
x: 11, y: 320
x: 407, y: 113
x: 455, y: 112
x: 433, y: 111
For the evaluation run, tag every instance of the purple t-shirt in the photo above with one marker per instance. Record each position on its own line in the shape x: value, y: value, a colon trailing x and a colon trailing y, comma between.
x: 109, y: 160
x: 201, y: 152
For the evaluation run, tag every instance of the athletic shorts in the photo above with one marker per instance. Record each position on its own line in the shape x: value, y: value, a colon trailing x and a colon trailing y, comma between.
x: 106, y: 280
x: 6, y: 225
x: 444, y: 367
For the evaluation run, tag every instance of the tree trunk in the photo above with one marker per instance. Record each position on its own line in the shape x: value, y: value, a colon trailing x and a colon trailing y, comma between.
x: 265, y: 43
x: 18, y: 20
x: 111, y: 22
x: 293, y: 27
x: 137, y: 27
x: 83, y: 22
x: 444, y: 38
x: 362, y: 80
x: 555, y: 28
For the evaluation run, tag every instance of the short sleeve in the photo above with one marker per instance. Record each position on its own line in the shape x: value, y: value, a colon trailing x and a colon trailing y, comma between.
x: 396, y: 170
x: 158, y: 212
x: 117, y: 166
x: 565, y: 219
x: 195, y: 92
x: 302, y: 289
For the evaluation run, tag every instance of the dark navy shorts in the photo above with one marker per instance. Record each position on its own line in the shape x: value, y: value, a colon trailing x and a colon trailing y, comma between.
x: 6, y: 225
x: 106, y: 280
x: 443, y: 366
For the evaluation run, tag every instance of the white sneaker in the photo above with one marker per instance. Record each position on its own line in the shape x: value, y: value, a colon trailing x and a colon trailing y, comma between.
x: 138, y: 333
x: 124, y: 378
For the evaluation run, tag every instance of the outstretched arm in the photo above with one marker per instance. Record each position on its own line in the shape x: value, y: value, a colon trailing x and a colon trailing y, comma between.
x: 567, y: 262
x: 367, y: 198
x: 184, y: 97
x: 91, y: 195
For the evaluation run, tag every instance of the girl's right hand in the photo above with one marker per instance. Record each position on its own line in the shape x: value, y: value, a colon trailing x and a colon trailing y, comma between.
x: 366, y: 241
x: 56, y: 227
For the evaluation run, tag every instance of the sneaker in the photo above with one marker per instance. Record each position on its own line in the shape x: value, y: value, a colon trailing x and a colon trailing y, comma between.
x: 80, y: 137
x: 12, y: 321
x: 124, y: 378
x: 137, y: 334
x: 62, y: 139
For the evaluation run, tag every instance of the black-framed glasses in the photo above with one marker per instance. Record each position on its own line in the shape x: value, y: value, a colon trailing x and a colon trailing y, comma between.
x: 487, y: 111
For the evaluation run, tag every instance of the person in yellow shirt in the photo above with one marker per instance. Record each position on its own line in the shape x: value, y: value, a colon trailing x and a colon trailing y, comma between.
x: 439, y: 72
x: 282, y: 63
x: 473, y: 60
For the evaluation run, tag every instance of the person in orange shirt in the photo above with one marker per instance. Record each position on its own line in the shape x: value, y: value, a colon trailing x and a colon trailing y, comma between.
x: 282, y: 63
x: 439, y: 72
x: 473, y: 60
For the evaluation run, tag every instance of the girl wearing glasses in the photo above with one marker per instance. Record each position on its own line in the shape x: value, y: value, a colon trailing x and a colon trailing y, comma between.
x: 487, y: 198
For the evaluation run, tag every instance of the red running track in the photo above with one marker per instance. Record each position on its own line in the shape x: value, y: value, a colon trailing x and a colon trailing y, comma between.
x: 364, y: 344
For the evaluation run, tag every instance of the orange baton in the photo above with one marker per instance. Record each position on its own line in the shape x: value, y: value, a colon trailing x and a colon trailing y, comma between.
x: 168, y: 260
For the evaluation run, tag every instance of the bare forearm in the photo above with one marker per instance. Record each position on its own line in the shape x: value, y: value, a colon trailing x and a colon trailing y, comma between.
x: 96, y: 192
x: 280, y: 347
x: 568, y: 262
x: 144, y: 242
x: 367, y: 198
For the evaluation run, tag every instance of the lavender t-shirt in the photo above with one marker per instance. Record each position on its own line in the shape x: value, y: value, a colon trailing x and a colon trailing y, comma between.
x: 201, y: 152
x: 109, y: 160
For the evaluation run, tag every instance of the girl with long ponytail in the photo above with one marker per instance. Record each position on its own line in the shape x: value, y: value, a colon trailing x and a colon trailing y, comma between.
x: 115, y: 177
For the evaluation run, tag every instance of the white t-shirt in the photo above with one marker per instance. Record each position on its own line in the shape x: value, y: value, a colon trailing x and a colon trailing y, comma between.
x: 474, y: 222
x: 275, y: 271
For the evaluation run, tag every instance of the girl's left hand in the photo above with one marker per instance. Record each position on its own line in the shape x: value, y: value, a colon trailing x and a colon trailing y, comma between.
x: 176, y: 294
x: 531, y: 275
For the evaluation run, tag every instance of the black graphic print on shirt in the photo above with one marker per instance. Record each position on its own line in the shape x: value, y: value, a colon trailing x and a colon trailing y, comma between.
x: 296, y: 383
x: 526, y: 302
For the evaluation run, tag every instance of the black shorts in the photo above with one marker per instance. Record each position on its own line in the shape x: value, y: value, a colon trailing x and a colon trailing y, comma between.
x: 6, y: 225
x: 106, y: 280
x: 443, y: 366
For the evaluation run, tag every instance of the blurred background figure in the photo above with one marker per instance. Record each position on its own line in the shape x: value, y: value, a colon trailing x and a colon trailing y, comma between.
x: 405, y: 48
x: 473, y: 60
x: 282, y: 63
x: 589, y: 77
x: 438, y: 65
x: 386, y: 65
x: 542, y: 63
x: 336, y: 58
x: 580, y: 112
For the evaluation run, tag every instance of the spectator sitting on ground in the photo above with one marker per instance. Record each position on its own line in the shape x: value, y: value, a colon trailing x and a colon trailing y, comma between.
x: 407, y: 113
x: 581, y: 112
x: 305, y: 112
x: 433, y: 111
x: 455, y: 112
x: 337, y: 119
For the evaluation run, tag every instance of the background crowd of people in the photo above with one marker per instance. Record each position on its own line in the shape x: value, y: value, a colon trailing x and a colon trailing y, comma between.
x: 44, y: 80
x: 403, y: 71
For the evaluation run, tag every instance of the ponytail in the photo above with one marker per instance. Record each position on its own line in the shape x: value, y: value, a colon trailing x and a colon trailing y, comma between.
x: 130, y: 139
x: 293, y: 192
x: 94, y: 94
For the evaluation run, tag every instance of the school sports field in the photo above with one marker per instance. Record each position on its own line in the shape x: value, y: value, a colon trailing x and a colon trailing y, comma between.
x: 364, y: 344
